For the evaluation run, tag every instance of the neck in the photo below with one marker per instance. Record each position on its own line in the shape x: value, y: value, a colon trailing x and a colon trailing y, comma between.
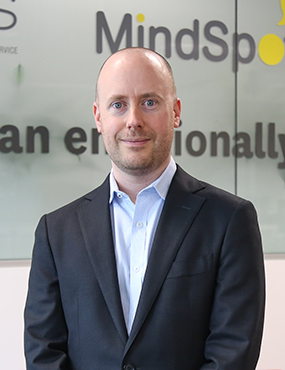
x: 132, y: 184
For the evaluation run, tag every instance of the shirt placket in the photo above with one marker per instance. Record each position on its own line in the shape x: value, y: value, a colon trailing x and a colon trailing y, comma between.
x: 137, y: 252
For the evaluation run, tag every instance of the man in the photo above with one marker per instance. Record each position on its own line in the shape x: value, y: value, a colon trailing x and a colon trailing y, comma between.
x: 153, y: 270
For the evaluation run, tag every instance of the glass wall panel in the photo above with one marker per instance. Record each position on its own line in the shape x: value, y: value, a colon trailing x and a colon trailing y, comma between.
x: 50, y: 53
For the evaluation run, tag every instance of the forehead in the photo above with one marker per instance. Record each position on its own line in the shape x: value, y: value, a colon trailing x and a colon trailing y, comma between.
x: 128, y: 73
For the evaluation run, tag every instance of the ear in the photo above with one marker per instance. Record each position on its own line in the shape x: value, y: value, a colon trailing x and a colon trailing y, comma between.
x: 177, y: 112
x: 97, y: 117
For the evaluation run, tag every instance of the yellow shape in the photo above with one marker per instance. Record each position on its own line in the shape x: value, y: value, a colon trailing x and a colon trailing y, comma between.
x: 282, y: 22
x: 140, y: 17
x: 271, y: 49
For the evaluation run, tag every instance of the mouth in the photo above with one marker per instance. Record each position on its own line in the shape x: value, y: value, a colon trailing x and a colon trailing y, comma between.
x: 135, y: 141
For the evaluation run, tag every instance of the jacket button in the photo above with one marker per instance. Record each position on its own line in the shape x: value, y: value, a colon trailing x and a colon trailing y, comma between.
x: 129, y: 367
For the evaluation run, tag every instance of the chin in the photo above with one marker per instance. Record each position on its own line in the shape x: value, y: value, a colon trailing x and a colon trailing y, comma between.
x: 135, y: 166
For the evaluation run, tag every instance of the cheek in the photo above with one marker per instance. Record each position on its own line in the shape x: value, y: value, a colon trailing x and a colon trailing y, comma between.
x: 164, y: 124
x: 110, y: 126
x: 107, y: 133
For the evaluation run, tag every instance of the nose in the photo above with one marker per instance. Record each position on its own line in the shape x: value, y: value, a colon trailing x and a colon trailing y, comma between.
x: 134, y: 118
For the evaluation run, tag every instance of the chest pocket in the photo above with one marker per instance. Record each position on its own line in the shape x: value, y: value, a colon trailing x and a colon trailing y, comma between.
x: 191, y: 267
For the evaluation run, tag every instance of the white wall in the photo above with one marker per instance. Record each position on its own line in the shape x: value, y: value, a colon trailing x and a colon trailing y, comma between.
x: 272, y: 351
x: 13, y: 288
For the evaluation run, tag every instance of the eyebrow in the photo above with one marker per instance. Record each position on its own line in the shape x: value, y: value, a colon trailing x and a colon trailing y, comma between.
x: 146, y: 95
x: 151, y: 94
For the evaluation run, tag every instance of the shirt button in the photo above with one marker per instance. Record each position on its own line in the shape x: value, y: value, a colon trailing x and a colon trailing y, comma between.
x: 136, y: 269
x: 119, y: 195
x: 129, y: 367
x: 139, y: 224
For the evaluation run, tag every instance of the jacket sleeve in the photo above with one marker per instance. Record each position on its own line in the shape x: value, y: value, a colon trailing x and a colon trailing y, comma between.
x: 45, y: 333
x: 236, y: 323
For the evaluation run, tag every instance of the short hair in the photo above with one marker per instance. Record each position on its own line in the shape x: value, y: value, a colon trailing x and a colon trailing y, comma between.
x: 166, y: 63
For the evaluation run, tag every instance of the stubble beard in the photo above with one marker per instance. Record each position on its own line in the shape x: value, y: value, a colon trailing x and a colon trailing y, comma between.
x: 143, y: 163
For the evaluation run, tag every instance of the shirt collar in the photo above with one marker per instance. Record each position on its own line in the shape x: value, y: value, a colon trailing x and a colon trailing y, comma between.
x: 161, y: 185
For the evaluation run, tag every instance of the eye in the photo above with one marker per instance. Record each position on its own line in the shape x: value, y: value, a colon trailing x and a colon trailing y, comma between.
x: 117, y: 105
x: 149, y: 102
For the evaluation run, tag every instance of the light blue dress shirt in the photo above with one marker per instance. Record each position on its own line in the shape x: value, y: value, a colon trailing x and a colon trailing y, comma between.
x: 134, y: 227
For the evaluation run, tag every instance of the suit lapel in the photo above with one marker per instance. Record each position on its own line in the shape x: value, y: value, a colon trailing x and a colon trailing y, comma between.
x: 95, y: 222
x: 179, y: 211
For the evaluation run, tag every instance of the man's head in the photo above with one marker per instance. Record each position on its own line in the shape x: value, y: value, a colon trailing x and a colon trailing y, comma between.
x: 137, y: 49
x: 136, y: 110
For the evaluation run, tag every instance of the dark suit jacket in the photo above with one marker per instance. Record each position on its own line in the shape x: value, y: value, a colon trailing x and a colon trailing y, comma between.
x: 202, y: 301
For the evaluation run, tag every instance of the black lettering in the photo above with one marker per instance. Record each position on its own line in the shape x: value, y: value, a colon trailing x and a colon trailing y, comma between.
x: 152, y: 35
x: 202, y: 143
x: 242, y: 149
x: 10, y: 143
x: 281, y: 137
x: 237, y: 57
x: 226, y: 141
x: 69, y: 140
x: 259, y: 152
x: 194, y: 54
x: 140, y: 36
x: 95, y: 141
x: 8, y: 50
x: 14, y: 20
x: 126, y: 27
x: 44, y: 135
x: 177, y: 142
x: 216, y: 40
x: 271, y: 141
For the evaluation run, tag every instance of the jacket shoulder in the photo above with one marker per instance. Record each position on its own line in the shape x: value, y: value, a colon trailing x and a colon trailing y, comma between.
x: 212, y: 194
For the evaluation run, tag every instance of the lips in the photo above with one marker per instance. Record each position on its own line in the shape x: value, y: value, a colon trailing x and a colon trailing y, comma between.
x: 135, y: 141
